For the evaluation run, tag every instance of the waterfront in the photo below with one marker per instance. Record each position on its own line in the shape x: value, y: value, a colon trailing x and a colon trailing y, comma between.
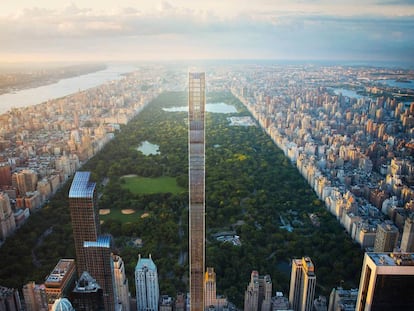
x: 64, y: 87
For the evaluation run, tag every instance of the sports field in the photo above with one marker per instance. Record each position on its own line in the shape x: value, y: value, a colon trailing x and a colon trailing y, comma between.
x: 148, y: 185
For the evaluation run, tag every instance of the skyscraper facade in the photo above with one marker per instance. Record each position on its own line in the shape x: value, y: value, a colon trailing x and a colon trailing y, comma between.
x: 196, y: 139
x: 210, y: 295
x: 7, y: 221
x: 84, y: 215
x: 386, y: 237
x: 258, y: 295
x: 407, y: 239
x: 302, y: 284
x: 121, y: 282
x: 386, y: 282
x: 100, y: 266
x: 35, y: 297
x: 93, y: 252
x: 146, y: 282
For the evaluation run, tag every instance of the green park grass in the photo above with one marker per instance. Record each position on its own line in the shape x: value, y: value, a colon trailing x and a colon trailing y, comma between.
x: 148, y: 185
x: 116, y: 214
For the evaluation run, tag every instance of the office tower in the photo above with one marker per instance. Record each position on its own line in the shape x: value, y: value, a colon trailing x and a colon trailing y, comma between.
x: 386, y: 237
x: 302, y: 284
x: 196, y: 157
x: 265, y: 292
x: 93, y: 252
x: 386, y: 282
x: 100, y: 266
x: 60, y: 280
x: 146, y: 281
x: 258, y: 295
x: 7, y: 221
x: 87, y: 294
x: 407, y: 240
x: 210, y: 288
x: 5, y: 174
x: 35, y: 297
x: 121, y: 282
x: 84, y: 215
x: 9, y: 299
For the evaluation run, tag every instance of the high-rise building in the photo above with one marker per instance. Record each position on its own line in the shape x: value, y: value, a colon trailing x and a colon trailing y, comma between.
x: 7, y: 221
x: 407, y: 240
x: 386, y: 237
x: 302, y: 284
x: 196, y: 140
x: 84, y: 215
x: 386, y: 282
x: 9, y: 299
x: 121, y: 282
x: 146, y: 281
x: 87, y: 294
x: 35, y: 297
x: 93, y: 252
x: 5, y: 174
x: 100, y: 266
x: 26, y: 181
x: 210, y: 295
x: 60, y: 280
x: 258, y: 295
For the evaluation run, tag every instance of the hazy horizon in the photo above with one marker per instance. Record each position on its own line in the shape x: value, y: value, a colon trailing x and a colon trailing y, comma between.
x: 180, y: 30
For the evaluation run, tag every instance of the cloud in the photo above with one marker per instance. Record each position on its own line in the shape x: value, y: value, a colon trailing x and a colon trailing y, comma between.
x: 395, y: 2
x: 179, y: 30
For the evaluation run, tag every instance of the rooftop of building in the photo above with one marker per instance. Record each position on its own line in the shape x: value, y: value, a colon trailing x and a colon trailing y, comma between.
x: 103, y: 241
x: 86, y: 284
x: 6, y: 292
x: 60, y: 271
x: 392, y: 259
x: 388, y: 227
x: 81, y: 186
x: 145, y: 263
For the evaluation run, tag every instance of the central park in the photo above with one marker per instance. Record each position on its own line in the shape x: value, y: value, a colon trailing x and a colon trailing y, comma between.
x: 252, y: 191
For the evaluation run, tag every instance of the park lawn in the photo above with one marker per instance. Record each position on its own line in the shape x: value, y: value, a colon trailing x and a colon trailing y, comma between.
x: 148, y: 185
x: 116, y: 214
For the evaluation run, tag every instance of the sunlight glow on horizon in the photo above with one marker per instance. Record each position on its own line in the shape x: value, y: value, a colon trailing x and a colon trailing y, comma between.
x: 102, y: 31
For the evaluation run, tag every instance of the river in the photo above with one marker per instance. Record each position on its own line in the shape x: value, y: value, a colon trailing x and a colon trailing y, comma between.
x: 64, y: 87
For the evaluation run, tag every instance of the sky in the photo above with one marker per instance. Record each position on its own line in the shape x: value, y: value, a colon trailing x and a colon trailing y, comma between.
x: 128, y: 30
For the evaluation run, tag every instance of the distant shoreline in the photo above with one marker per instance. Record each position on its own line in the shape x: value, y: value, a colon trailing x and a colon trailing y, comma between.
x: 42, y: 78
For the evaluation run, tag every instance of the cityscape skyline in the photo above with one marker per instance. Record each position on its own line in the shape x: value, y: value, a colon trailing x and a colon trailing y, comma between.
x: 375, y: 30
x: 331, y: 149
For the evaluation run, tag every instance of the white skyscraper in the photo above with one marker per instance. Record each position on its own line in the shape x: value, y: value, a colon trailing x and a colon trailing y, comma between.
x: 146, y: 281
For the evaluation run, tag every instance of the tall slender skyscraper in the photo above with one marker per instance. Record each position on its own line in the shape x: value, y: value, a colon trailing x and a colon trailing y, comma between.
x: 84, y: 215
x: 302, y: 284
x: 196, y: 103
